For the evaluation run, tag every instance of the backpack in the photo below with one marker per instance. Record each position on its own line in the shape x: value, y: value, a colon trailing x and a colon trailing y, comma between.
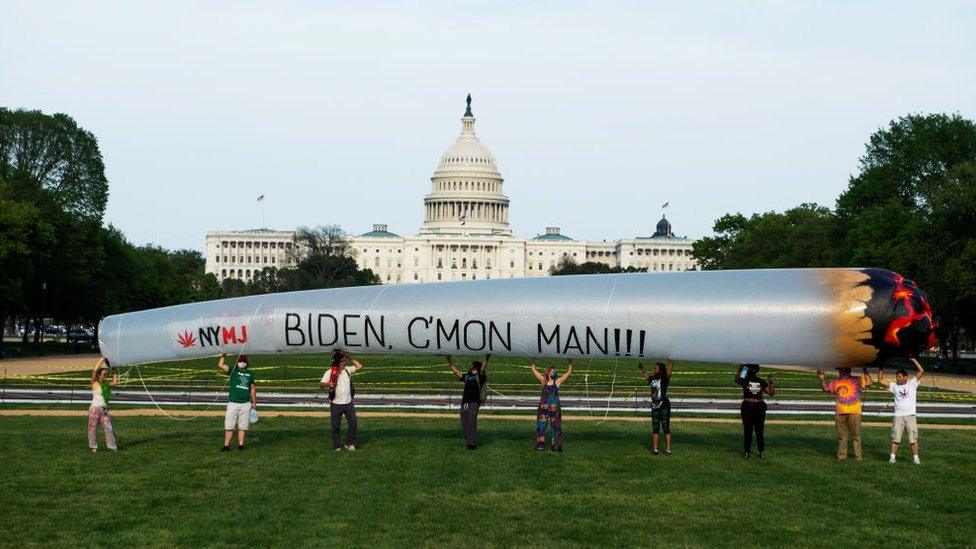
x: 482, y: 390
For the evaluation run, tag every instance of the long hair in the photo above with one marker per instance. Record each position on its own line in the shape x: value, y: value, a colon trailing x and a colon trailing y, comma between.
x: 659, y: 370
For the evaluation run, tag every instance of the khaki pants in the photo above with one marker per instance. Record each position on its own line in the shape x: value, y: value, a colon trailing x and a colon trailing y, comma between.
x: 848, y: 423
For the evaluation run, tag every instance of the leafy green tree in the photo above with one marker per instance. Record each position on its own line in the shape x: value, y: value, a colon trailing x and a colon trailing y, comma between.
x: 567, y: 265
x: 804, y: 236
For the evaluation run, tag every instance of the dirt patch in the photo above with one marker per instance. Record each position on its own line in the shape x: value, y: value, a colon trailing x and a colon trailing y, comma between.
x: 439, y: 415
x: 55, y: 364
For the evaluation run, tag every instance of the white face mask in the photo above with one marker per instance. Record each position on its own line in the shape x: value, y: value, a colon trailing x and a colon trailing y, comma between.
x: 241, y: 365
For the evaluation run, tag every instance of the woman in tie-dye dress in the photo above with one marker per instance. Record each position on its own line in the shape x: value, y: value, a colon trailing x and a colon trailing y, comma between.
x: 98, y: 410
x: 549, y: 409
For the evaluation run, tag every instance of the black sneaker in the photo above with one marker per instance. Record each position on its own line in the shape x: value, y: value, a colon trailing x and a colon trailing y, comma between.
x: 240, y: 447
x: 225, y: 449
x: 762, y: 455
x: 745, y: 456
x: 472, y: 447
x: 654, y: 451
x: 667, y: 452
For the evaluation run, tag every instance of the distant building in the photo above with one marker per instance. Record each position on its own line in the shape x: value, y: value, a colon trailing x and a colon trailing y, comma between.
x: 465, y: 234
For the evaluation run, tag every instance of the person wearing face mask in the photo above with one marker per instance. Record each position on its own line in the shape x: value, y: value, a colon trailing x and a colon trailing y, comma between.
x: 550, y: 412
x: 472, y: 398
x: 241, y: 399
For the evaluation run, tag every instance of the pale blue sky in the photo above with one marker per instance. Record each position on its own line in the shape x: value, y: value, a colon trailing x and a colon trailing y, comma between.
x: 597, y: 113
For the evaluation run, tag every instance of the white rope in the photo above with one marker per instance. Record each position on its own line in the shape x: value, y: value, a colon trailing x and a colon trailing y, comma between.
x: 612, y: 382
x: 171, y: 416
x: 250, y: 322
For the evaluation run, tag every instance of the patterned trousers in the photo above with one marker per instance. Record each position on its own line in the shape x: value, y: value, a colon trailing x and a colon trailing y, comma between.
x: 96, y: 415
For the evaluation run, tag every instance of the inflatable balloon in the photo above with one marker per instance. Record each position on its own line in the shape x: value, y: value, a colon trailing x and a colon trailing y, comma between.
x: 813, y: 317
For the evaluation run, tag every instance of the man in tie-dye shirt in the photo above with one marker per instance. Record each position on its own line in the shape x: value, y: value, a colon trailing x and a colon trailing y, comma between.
x: 847, y: 389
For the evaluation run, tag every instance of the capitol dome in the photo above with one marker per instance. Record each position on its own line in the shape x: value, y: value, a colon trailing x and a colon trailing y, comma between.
x: 466, y: 189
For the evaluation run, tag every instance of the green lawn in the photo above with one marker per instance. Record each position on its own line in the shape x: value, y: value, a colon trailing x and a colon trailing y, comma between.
x: 412, y: 483
x: 508, y: 376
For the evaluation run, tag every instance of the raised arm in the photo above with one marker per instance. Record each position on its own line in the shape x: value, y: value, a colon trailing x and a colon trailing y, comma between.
x: 919, y: 371
x: 454, y: 368
x: 738, y: 375
x: 569, y: 371
x: 484, y: 365
x: 356, y: 364
x: 94, y: 373
x: 221, y: 363
x: 115, y: 376
x: 822, y: 376
x: 536, y: 373
x: 670, y: 367
x: 884, y: 382
x: 644, y: 373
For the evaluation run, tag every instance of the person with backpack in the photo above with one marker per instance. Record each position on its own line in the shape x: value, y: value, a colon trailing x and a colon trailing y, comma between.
x: 338, y: 380
x: 475, y: 393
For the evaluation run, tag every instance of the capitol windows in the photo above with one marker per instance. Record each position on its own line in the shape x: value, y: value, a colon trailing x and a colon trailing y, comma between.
x: 438, y: 276
x: 464, y: 263
x: 240, y: 273
x: 376, y: 262
x: 416, y: 262
x: 223, y: 272
x: 511, y: 264
x: 272, y: 260
x: 440, y: 264
x: 488, y: 263
x: 240, y: 259
x: 474, y: 263
x: 225, y: 259
x: 540, y: 266
x: 415, y: 276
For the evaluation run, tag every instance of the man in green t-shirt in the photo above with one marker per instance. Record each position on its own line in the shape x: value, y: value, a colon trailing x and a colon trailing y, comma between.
x: 241, y: 399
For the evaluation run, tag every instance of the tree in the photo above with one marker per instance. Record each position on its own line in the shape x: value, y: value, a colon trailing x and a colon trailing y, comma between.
x: 804, y: 236
x: 53, y: 190
x: 567, y: 265
x: 58, y: 161
x: 325, y: 259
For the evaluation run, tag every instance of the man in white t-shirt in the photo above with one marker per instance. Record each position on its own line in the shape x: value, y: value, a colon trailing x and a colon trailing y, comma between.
x: 905, y: 391
x: 338, y: 380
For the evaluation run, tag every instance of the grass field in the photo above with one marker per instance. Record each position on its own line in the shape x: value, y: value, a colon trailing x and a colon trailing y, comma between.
x: 412, y: 483
x: 507, y: 376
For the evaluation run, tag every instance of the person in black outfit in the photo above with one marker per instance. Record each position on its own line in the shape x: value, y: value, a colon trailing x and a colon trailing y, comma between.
x: 753, y: 408
x: 658, y: 381
x: 474, y: 382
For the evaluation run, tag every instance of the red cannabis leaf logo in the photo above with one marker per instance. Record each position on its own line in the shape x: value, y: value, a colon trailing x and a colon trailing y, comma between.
x: 186, y: 339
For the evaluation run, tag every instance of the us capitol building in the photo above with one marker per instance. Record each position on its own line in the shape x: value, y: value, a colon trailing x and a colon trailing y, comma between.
x: 465, y: 234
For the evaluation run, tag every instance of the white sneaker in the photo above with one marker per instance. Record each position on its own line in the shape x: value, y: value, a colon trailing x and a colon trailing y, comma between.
x: 338, y: 449
x: 916, y: 460
x: 350, y: 447
x: 891, y: 459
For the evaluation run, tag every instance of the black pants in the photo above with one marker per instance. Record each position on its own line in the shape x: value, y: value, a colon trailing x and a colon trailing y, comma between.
x: 753, y: 419
x: 336, y: 411
x: 469, y: 421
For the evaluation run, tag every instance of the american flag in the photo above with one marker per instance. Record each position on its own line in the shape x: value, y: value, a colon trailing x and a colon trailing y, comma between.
x: 261, y: 198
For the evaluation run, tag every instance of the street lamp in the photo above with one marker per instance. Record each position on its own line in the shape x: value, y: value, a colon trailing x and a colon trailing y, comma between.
x: 41, y: 327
